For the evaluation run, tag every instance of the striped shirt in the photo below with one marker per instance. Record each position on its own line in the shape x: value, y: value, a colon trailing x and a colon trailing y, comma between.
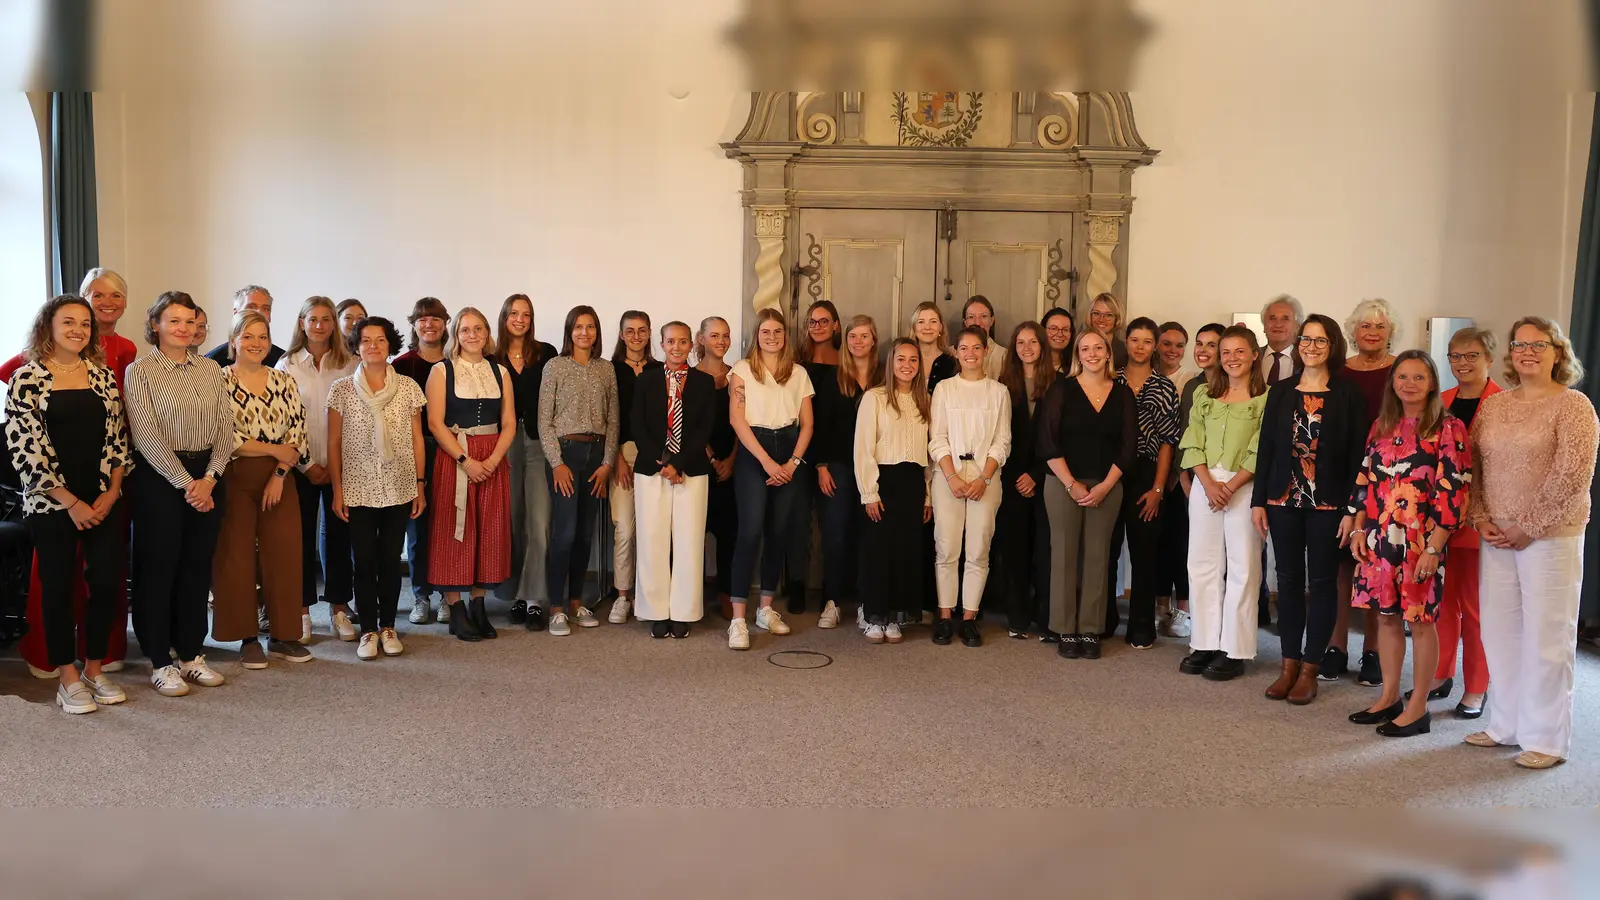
x: 1156, y: 409
x: 178, y: 408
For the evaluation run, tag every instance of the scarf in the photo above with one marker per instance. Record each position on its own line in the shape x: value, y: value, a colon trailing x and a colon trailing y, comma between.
x: 376, y: 404
x: 675, y: 380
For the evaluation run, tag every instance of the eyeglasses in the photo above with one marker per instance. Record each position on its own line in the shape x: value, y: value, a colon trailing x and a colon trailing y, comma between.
x: 1102, y: 315
x: 818, y: 323
x: 1059, y: 330
x: 1535, y: 346
x: 1321, y: 343
x: 1469, y: 357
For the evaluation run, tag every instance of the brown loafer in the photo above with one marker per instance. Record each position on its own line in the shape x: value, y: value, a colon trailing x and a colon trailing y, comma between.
x: 1286, y: 679
x: 1305, y: 687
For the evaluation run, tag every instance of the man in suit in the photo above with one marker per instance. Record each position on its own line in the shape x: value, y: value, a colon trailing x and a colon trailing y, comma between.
x: 251, y: 296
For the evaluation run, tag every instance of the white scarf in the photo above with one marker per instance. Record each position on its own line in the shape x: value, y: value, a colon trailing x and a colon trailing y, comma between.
x: 377, y: 403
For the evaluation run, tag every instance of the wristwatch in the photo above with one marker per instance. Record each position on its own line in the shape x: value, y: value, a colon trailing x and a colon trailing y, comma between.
x: 462, y: 459
x: 1430, y: 549
x: 280, y: 471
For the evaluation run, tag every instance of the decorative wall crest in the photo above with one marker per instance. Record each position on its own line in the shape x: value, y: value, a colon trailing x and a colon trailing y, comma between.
x: 937, y: 118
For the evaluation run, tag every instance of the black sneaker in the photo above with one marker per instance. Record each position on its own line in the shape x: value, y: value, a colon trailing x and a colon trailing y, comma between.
x: 1223, y: 668
x: 970, y: 634
x: 535, y: 620
x: 1049, y: 637
x: 680, y: 630
x: 1017, y: 635
x: 943, y: 630
x: 1371, y: 669
x: 1335, y: 665
x: 1196, y: 662
x: 1067, y: 646
x: 519, y: 613
x: 1089, y: 644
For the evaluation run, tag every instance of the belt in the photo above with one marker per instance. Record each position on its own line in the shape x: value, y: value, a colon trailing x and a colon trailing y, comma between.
x: 584, y: 437
x: 461, y: 477
x: 192, y: 454
x: 965, y: 457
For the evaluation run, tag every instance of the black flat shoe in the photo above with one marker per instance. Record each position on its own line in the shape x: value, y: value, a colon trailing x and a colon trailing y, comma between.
x: 1420, y: 726
x: 943, y: 630
x: 1090, y: 646
x: 1438, y: 693
x: 1371, y: 669
x: 680, y: 629
x: 1016, y: 635
x: 461, y: 624
x: 1223, y: 668
x: 1463, y: 711
x: 518, y: 613
x: 536, y: 619
x: 1335, y: 665
x: 660, y: 629
x: 1068, y: 646
x: 970, y: 634
x: 1367, y: 717
x: 1049, y: 637
x: 1196, y: 662
x: 480, y: 618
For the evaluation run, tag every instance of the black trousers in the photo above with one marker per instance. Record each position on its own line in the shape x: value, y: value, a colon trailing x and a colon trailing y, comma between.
x: 1172, y: 555
x: 722, y: 523
x: 1014, y: 550
x: 335, y: 544
x: 376, y: 533
x: 841, y: 534
x: 417, y: 529
x: 892, y: 553
x: 1143, y: 548
x: 1306, y: 541
x: 173, y: 547
x: 56, y: 544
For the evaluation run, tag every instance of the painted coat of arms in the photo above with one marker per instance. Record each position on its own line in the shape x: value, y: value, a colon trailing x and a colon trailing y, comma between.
x: 937, y: 118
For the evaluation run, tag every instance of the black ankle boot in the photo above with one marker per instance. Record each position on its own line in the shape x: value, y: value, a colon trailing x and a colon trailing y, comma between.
x: 480, y: 619
x: 461, y: 624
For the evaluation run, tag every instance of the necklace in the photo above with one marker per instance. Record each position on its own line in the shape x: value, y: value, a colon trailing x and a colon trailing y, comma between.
x: 61, y: 368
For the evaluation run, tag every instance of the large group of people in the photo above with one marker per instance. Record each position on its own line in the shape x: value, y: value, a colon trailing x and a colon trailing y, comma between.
x: 264, y: 481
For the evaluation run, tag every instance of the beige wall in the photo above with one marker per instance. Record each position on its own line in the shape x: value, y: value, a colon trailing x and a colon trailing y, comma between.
x: 1334, y: 151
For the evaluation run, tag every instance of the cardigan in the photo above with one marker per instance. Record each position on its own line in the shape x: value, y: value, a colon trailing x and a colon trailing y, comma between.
x: 32, y: 454
x: 1340, y: 447
x: 648, y: 420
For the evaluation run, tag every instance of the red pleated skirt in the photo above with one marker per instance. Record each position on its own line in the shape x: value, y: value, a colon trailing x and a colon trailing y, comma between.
x: 482, y: 558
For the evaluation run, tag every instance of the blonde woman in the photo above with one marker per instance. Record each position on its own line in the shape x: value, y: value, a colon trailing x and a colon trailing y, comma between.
x: 1535, y: 445
x: 928, y: 330
x: 711, y: 344
x: 318, y: 355
x: 1105, y: 316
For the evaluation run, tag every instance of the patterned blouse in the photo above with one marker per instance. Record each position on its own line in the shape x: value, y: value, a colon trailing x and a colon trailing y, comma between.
x: 1302, y: 490
x: 1537, y: 462
x: 366, y: 479
x: 278, y: 417
x: 1156, y: 408
x: 32, y: 454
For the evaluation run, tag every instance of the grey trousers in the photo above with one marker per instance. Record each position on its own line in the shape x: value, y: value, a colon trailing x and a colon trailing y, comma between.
x: 1080, y: 553
x: 530, y: 521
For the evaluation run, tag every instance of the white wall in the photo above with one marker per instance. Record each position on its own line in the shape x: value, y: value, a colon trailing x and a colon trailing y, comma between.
x: 24, y: 275
x: 1428, y: 152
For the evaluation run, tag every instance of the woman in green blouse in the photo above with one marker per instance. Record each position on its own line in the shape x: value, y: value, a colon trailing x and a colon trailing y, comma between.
x: 1219, y: 448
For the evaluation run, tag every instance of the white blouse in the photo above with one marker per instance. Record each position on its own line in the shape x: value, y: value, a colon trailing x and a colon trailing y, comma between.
x: 314, y: 384
x: 768, y: 404
x: 884, y: 438
x: 971, y: 421
x: 475, y: 380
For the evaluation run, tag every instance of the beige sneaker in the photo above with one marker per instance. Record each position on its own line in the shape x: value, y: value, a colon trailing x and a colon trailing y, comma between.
x: 390, y: 642
x: 168, y: 682
x: 738, y: 635
x: 829, y: 617
x: 767, y: 619
x: 368, y: 648
x: 197, y: 671
x: 106, y: 692
x: 116, y: 665
x: 76, y: 698
x: 343, y: 628
x: 42, y: 674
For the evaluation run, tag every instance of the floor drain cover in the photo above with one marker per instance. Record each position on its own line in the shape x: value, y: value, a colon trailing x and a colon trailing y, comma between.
x: 800, y: 659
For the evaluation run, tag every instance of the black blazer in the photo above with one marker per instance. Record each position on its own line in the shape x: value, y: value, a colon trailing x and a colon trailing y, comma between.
x: 649, y: 418
x: 1023, y: 458
x: 1340, y: 447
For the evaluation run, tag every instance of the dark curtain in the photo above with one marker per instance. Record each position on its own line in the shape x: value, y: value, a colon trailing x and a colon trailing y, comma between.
x: 1586, y: 344
x: 74, y: 227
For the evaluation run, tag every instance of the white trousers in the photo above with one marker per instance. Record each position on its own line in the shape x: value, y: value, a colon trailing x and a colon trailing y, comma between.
x: 1528, y: 607
x: 951, y: 518
x: 622, y: 525
x: 671, y: 545
x: 1224, y: 572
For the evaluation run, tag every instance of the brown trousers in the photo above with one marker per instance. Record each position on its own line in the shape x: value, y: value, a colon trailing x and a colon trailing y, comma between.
x: 256, y: 544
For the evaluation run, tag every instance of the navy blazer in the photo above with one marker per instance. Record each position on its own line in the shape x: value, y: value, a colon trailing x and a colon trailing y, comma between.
x: 649, y: 420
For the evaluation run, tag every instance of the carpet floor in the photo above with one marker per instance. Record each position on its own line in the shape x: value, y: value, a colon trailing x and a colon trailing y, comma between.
x: 610, y: 718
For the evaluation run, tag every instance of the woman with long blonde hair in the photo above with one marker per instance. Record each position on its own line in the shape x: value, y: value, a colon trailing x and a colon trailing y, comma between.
x: 859, y: 370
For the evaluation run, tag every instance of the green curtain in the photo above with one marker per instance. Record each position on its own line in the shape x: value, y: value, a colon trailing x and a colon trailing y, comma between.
x: 1586, y: 344
x: 74, y: 226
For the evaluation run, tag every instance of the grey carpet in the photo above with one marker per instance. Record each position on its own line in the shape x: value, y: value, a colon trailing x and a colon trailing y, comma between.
x: 610, y: 718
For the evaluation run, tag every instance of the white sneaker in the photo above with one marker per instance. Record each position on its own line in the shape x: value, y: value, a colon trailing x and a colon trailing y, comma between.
x: 42, y: 674
x: 829, y: 617
x: 342, y: 626
x: 305, y: 628
x: 420, y: 613
x: 586, y: 618
x: 168, y: 681
x: 390, y: 642
x: 738, y: 635
x: 875, y: 633
x: 768, y: 619
x: 619, y: 612
x: 559, y: 626
x: 76, y: 698
x: 861, y: 616
x: 1178, y: 627
x: 368, y: 648
x: 106, y: 692
x: 891, y: 633
x: 197, y: 671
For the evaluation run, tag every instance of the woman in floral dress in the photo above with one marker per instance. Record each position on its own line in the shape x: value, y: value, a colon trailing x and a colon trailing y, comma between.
x: 1410, y: 494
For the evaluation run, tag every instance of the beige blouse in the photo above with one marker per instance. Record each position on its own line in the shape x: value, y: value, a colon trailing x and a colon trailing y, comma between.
x: 1533, y: 462
x: 886, y: 438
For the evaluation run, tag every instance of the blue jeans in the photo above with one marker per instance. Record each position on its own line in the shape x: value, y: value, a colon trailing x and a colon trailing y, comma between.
x: 572, y: 521
x: 417, y: 529
x: 841, y: 533
x: 767, y: 515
